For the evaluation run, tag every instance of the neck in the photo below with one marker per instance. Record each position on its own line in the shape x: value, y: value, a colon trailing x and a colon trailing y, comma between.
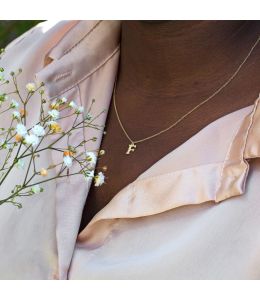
x: 157, y: 57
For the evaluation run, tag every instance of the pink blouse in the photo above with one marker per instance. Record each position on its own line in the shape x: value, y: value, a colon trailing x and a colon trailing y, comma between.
x: 194, y: 214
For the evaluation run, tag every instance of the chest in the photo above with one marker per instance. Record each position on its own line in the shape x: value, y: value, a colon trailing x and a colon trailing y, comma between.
x: 122, y: 168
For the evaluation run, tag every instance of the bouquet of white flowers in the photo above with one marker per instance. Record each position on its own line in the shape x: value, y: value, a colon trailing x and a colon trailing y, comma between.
x: 20, y: 142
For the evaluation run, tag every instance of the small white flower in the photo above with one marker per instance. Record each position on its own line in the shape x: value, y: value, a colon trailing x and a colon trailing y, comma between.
x: 91, y: 158
x: 21, y: 129
x: 67, y: 161
x: 16, y: 115
x: 72, y: 104
x: 79, y: 109
x: 43, y: 172
x: 49, y: 123
x: 89, y: 175
x: 38, y: 130
x: 14, y: 104
x: 63, y: 100
x: 31, y: 139
x: 31, y: 87
x: 54, y: 113
x: 20, y: 164
x: 88, y: 116
x: 54, y: 126
x: 54, y: 104
x: 99, y: 179
x: 36, y: 189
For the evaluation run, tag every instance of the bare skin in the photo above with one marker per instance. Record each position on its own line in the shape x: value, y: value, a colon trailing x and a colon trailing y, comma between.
x: 167, y: 68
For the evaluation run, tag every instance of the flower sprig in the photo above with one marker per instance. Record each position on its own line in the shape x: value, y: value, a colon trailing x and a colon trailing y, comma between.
x: 21, y: 145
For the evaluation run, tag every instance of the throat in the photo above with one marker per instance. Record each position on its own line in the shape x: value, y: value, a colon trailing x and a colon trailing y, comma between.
x: 157, y: 57
x: 152, y: 93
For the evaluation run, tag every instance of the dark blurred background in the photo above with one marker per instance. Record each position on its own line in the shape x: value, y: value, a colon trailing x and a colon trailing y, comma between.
x: 9, y: 30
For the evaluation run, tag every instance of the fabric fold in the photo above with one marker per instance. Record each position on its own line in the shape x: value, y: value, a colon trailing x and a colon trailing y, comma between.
x: 84, y: 65
x: 75, y: 59
x: 212, y: 182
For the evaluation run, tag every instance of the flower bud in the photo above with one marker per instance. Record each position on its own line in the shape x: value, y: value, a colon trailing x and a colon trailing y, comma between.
x: 43, y: 172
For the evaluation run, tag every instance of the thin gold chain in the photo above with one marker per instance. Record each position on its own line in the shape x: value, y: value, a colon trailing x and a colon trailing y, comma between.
x: 133, y: 142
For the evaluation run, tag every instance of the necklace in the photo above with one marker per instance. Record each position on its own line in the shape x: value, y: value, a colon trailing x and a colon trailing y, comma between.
x: 133, y: 143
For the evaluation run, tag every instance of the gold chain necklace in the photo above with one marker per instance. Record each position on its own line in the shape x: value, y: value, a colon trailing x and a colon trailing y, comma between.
x: 133, y: 143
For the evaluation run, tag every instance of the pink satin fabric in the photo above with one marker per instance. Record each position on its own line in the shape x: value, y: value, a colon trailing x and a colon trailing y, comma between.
x: 170, y: 223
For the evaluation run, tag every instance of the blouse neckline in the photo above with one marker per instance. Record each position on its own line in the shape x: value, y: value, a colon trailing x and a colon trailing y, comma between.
x: 79, y: 55
x: 218, y: 181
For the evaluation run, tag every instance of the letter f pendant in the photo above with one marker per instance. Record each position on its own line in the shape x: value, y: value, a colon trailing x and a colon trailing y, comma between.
x: 131, y: 148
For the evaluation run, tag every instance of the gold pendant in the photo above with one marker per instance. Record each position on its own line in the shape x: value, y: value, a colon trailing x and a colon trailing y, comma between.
x: 131, y: 148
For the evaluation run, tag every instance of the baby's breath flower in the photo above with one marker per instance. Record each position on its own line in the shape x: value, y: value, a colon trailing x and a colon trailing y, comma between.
x: 43, y: 172
x: 91, y: 158
x: 38, y: 130
x: 54, y: 126
x: 18, y: 138
x: 16, y: 115
x: 20, y: 164
x: 99, y: 179
x: 31, y: 87
x: 89, y: 174
x: 79, y: 109
x: 36, y: 189
x: 14, y: 104
x: 23, y: 112
x: 49, y: 123
x: 55, y: 104
x: 63, y: 100
x: 31, y: 139
x: 72, y: 104
x: 54, y: 114
x: 67, y: 161
x: 67, y: 153
x: 88, y: 117
x: 21, y: 129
